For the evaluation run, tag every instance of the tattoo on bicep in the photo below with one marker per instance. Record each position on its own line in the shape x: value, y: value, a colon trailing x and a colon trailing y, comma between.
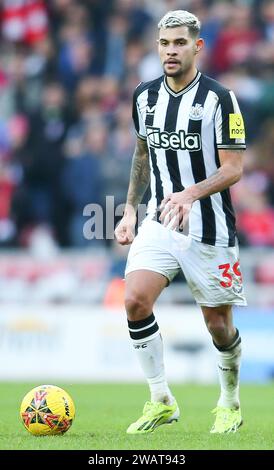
x: 140, y: 173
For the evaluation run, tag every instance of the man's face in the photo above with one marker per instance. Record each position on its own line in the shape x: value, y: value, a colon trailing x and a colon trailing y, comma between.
x: 177, y: 50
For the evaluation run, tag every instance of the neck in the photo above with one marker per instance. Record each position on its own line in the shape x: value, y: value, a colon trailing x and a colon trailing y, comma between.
x: 181, y: 82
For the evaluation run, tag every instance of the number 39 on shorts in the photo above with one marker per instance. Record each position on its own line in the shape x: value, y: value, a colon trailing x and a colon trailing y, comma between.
x: 227, y: 273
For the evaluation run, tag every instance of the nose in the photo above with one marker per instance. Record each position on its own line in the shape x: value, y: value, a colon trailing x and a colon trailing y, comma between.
x: 171, y: 50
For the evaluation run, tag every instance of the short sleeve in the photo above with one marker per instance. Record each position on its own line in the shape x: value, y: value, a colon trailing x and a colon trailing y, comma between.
x: 229, y: 123
x: 139, y: 124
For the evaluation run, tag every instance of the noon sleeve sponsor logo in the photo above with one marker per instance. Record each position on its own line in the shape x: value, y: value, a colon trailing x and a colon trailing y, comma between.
x: 173, y: 140
x: 236, y: 126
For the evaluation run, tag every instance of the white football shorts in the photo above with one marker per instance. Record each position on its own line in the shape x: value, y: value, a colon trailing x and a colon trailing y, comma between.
x: 212, y: 272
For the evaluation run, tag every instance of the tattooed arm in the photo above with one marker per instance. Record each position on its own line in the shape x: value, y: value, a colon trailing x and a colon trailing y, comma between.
x: 139, y: 181
x: 179, y: 204
x: 229, y: 173
x: 139, y: 175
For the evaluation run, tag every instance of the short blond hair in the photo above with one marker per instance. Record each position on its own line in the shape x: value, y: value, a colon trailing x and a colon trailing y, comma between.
x: 176, y: 18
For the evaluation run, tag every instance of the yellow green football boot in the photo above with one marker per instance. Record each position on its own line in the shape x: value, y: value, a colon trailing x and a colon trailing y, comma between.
x: 227, y: 420
x: 154, y: 414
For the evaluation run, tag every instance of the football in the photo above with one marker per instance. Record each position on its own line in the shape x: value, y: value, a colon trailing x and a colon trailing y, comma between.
x: 47, y: 410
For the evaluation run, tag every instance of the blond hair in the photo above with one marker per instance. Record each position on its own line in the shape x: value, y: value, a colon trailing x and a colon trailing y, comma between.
x: 176, y: 18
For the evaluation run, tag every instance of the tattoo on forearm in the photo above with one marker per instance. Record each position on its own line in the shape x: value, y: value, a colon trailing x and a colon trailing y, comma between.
x: 140, y: 174
x: 214, y: 183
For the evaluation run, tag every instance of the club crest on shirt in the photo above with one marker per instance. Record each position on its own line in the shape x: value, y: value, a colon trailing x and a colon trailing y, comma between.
x: 196, y: 112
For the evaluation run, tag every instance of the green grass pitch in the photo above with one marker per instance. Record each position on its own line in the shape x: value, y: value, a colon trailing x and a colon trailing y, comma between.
x: 103, y: 412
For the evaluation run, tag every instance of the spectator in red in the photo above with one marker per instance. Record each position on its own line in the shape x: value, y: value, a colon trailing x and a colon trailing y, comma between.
x: 235, y: 43
x: 24, y: 20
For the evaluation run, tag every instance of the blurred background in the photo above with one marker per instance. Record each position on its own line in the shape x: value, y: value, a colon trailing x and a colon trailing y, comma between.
x: 67, y: 73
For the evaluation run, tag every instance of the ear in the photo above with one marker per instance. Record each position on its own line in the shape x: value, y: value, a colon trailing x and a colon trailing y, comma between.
x: 199, y: 45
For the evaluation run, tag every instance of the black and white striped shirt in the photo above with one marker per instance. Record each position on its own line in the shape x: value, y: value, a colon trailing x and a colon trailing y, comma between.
x: 184, y: 131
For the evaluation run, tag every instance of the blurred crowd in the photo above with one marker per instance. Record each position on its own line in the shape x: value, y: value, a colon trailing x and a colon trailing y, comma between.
x: 67, y: 73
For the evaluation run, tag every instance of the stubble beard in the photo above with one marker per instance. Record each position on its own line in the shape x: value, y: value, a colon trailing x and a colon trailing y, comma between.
x: 178, y: 73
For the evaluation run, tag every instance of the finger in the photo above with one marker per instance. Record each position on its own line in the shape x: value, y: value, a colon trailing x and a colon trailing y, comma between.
x: 164, y: 201
x: 129, y: 235
x: 186, y: 212
x: 165, y: 211
x: 123, y: 243
x: 120, y: 235
x: 130, y: 238
x: 170, y: 217
x: 175, y: 222
x: 124, y: 239
x: 178, y: 220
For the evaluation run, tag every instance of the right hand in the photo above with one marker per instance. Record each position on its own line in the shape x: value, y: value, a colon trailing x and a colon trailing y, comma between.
x: 124, y: 231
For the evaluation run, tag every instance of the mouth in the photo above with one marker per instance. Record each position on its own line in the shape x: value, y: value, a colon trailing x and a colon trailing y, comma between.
x: 171, y: 62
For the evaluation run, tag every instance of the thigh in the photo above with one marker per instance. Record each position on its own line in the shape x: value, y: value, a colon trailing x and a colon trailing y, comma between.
x: 213, y: 274
x: 151, y: 251
x: 144, y: 284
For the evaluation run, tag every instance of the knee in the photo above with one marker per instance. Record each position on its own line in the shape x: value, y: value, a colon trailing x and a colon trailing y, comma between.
x: 137, y: 306
x: 218, y: 329
x: 219, y: 323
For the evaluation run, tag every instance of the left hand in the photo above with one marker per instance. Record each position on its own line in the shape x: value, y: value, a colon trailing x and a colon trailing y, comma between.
x: 175, y: 209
